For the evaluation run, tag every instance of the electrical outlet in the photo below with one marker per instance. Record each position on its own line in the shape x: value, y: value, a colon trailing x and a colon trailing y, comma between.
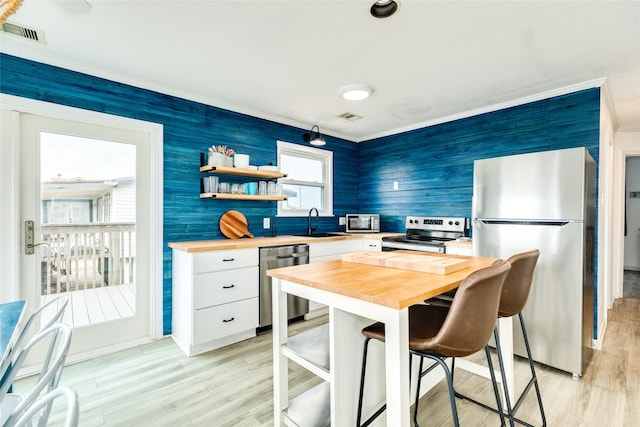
x: 266, y: 222
x: 342, y: 220
x: 395, y: 185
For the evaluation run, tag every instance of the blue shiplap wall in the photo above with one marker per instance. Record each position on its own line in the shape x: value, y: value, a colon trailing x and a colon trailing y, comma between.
x: 434, y: 165
x: 189, y: 128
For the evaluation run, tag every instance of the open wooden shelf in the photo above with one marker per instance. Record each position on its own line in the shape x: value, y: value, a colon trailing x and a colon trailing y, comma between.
x: 231, y: 196
x: 226, y: 170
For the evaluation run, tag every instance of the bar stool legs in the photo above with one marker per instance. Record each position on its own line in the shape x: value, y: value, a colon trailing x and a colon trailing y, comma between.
x: 361, y: 395
x: 533, y: 381
x: 364, y: 369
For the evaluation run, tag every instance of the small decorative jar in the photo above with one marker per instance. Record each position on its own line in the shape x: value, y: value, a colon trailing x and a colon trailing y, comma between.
x: 217, y: 159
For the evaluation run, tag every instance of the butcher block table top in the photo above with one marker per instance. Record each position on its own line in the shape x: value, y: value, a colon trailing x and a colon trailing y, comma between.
x: 260, y: 242
x: 390, y: 287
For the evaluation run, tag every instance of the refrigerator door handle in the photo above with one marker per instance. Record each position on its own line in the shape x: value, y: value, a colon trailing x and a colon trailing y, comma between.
x: 524, y: 222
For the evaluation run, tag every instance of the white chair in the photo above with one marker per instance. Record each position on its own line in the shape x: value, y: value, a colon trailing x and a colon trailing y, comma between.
x: 59, y: 305
x: 13, y: 405
x: 71, y: 417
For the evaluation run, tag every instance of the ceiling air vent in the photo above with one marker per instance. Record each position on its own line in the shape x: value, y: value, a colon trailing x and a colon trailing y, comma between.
x: 350, y: 116
x: 27, y: 33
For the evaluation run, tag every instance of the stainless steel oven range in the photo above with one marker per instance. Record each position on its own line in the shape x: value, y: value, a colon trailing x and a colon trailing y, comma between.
x: 428, y: 234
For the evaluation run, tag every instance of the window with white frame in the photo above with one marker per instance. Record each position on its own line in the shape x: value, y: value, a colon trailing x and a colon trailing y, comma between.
x: 309, y: 180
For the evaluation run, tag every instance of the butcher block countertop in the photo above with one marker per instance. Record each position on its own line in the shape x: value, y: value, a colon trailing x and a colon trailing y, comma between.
x: 390, y: 287
x: 258, y: 242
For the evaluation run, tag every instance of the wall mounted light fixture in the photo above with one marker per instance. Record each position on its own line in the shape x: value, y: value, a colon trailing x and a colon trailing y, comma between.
x: 314, y: 139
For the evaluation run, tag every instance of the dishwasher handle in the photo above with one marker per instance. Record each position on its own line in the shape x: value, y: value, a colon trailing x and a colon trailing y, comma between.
x: 292, y: 255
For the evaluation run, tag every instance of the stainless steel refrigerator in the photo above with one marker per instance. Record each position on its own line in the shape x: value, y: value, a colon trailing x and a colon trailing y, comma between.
x: 544, y: 201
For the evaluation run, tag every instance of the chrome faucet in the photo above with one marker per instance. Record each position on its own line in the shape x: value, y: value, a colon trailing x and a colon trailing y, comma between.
x: 310, y: 230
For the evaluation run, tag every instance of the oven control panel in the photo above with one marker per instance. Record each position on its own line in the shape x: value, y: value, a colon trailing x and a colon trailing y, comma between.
x: 455, y: 224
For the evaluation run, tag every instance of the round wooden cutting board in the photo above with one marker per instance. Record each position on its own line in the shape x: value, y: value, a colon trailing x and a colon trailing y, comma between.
x: 234, y: 225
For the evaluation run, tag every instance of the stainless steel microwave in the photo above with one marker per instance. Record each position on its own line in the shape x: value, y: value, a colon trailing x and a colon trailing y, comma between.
x: 363, y: 223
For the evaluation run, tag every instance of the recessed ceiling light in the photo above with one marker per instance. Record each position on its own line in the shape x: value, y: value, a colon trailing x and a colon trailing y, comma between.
x: 383, y: 8
x: 355, y: 92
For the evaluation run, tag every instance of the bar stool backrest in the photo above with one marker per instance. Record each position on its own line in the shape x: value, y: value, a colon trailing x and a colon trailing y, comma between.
x: 517, y: 285
x: 472, y: 316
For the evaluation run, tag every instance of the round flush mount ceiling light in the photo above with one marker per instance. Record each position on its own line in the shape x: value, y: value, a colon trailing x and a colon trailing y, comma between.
x: 383, y: 8
x: 355, y: 92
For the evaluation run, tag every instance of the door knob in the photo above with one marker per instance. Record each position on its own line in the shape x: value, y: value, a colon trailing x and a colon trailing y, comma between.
x: 29, y: 246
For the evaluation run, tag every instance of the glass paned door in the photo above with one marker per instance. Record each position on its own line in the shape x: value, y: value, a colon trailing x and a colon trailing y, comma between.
x: 90, y: 242
x: 80, y: 189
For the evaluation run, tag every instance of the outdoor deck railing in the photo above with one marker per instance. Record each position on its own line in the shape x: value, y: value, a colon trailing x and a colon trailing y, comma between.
x: 85, y: 256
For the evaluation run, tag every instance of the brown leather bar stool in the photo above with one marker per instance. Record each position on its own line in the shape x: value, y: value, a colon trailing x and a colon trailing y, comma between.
x: 437, y: 332
x: 515, y: 293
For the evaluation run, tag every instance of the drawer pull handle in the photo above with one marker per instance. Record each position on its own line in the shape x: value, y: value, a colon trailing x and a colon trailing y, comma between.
x: 228, y: 286
x: 228, y: 259
x: 372, y: 246
x: 228, y: 320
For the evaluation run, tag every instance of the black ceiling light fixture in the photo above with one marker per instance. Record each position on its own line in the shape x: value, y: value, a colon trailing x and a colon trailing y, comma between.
x: 316, y: 139
x: 383, y: 8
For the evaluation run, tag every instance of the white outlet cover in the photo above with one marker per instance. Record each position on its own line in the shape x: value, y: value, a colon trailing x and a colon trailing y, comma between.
x: 342, y: 220
x: 266, y: 222
x: 395, y: 185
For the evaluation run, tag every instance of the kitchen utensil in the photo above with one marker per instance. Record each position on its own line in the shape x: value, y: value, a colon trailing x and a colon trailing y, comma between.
x: 234, y: 225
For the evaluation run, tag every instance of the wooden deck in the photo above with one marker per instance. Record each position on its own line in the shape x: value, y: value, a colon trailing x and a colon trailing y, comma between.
x: 97, y: 305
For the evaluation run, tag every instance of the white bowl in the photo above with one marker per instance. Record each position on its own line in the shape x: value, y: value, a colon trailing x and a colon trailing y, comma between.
x: 269, y: 168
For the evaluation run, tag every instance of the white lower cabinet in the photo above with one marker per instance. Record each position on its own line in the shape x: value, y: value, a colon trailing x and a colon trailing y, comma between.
x: 215, y: 298
x: 327, y: 251
x: 459, y: 248
x: 372, y: 245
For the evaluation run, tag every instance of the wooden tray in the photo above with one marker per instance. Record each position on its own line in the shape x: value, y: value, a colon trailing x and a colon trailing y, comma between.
x: 424, y: 263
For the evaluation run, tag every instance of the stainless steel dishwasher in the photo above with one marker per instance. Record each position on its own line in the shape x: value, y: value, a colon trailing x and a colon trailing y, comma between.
x: 276, y: 257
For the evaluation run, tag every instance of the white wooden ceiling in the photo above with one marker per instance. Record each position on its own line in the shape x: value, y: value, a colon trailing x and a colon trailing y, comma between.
x: 286, y: 60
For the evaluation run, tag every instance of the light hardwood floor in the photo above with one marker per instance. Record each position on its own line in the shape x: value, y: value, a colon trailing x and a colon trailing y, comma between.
x: 156, y: 385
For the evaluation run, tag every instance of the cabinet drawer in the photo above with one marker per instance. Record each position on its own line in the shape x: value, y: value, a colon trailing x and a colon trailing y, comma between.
x: 334, y: 248
x: 372, y: 245
x: 224, y: 320
x: 224, y: 260
x: 222, y: 287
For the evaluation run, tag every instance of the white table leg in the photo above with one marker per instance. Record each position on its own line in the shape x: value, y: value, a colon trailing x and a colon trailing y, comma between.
x: 280, y: 374
x: 397, y: 369
x: 505, y: 333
